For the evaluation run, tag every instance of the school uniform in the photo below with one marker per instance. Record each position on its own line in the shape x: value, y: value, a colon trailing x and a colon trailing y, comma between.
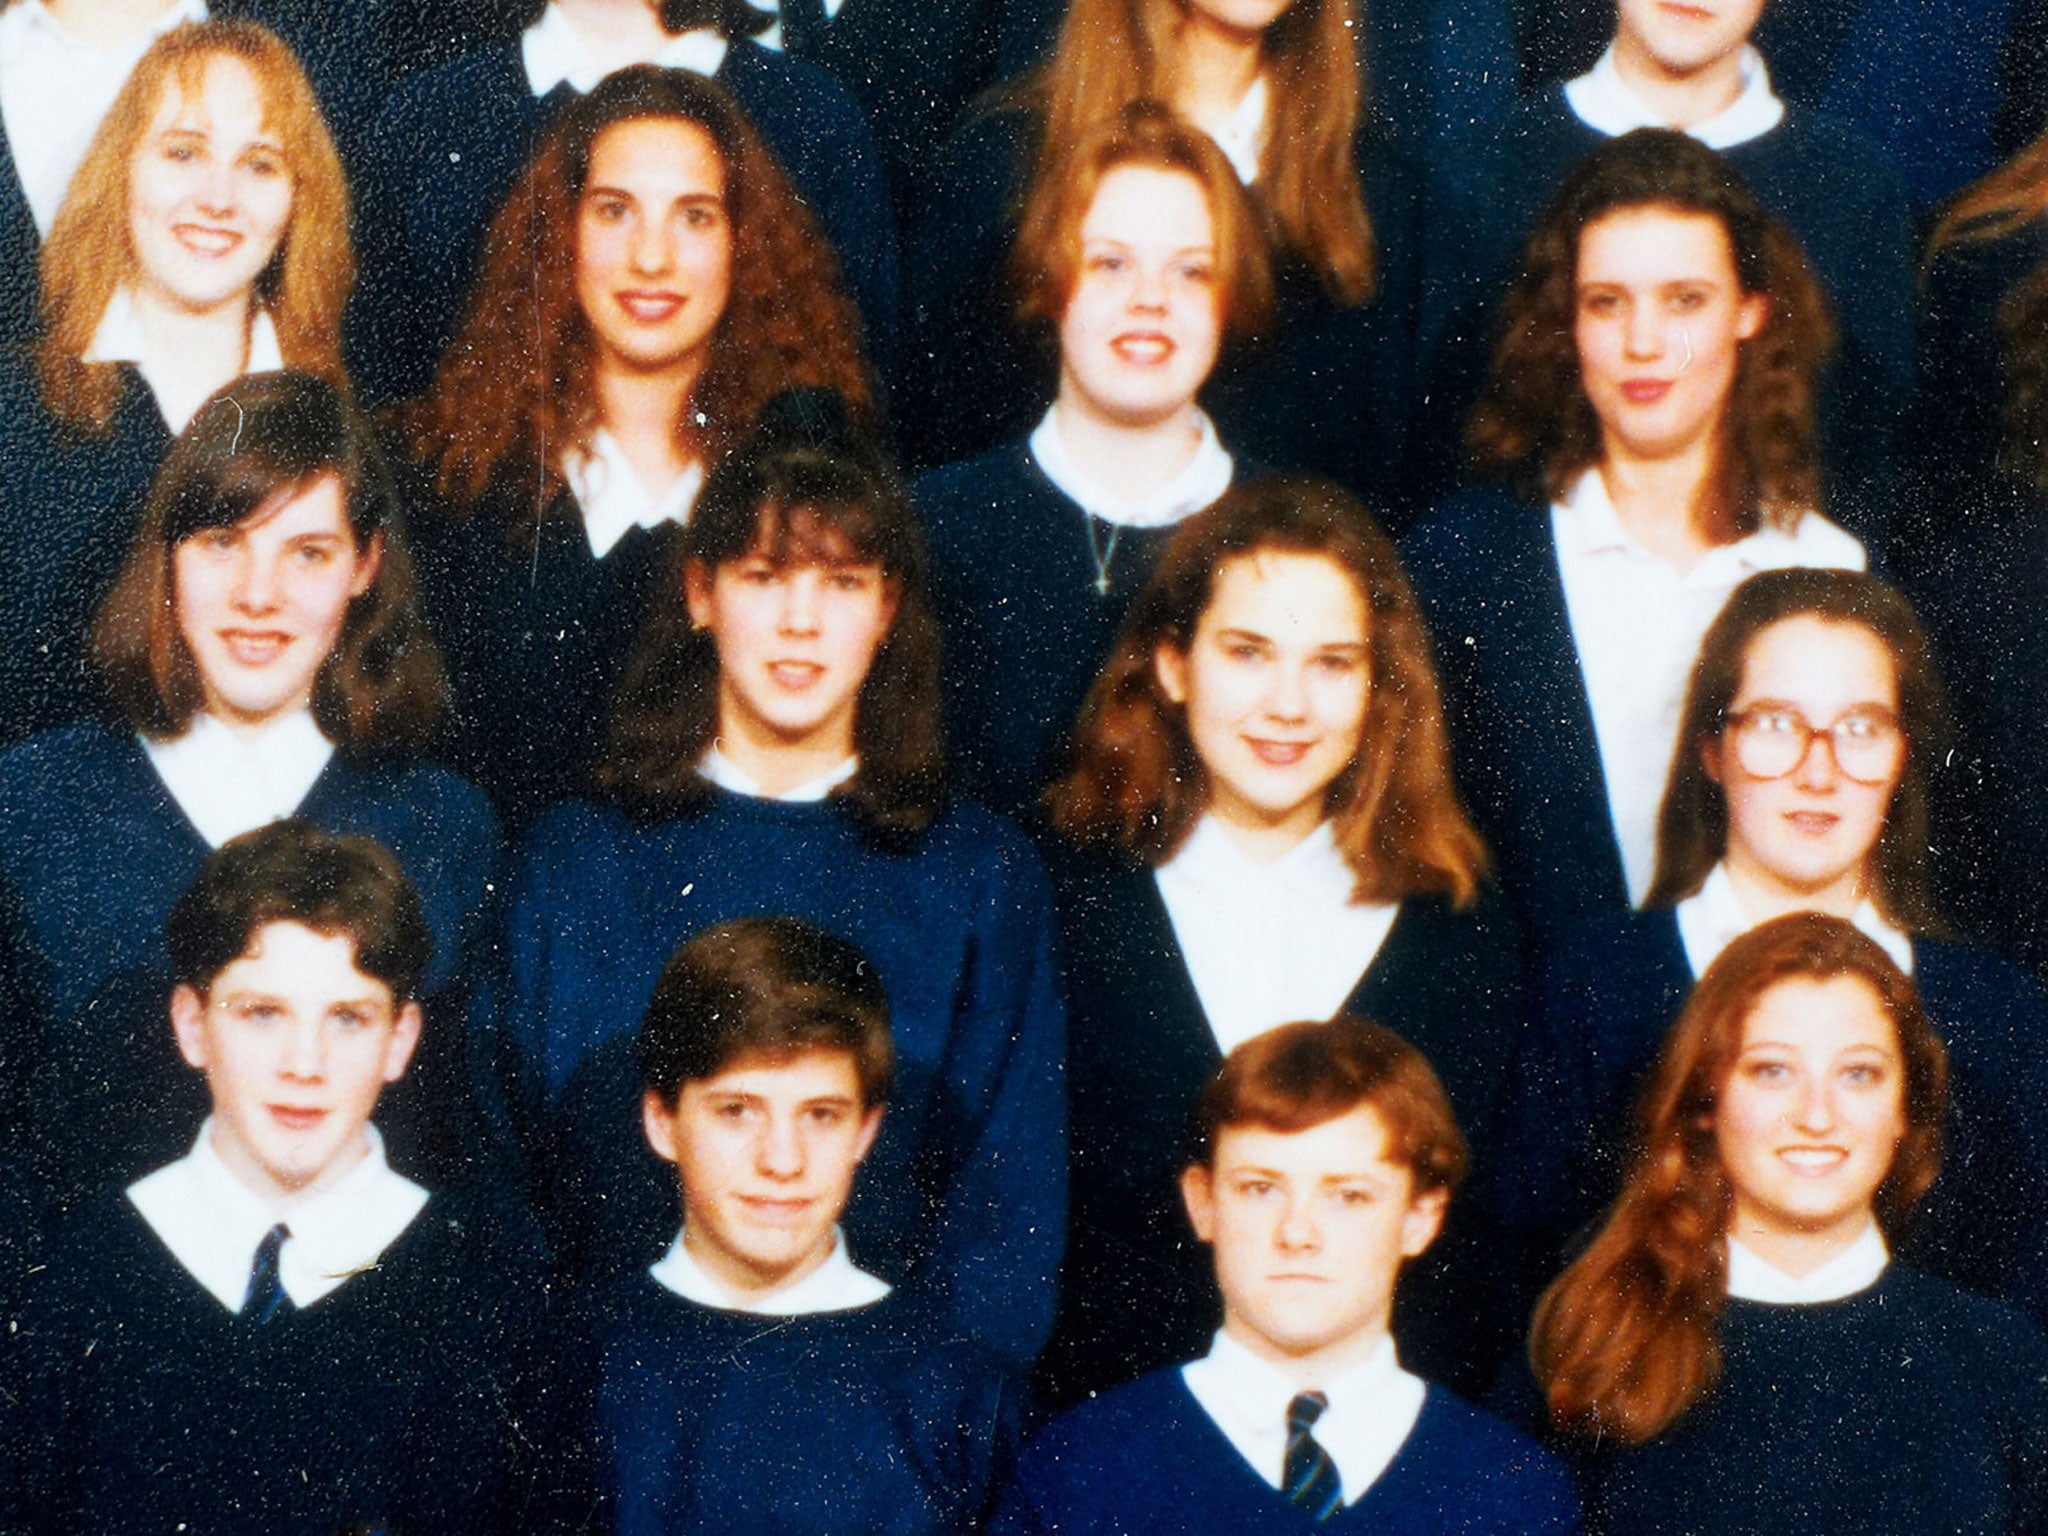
x: 376, y: 1363
x: 95, y: 848
x: 963, y: 1196
x: 1563, y: 750
x: 1200, y: 1449
x: 1033, y: 569
x: 453, y: 141
x: 1327, y: 390
x: 1158, y: 990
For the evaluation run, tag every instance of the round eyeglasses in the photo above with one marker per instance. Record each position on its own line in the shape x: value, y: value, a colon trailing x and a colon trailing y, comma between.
x: 1771, y: 740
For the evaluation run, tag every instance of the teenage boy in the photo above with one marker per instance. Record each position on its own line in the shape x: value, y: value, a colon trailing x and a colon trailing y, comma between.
x: 755, y: 1379
x: 1693, y: 68
x: 276, y: 1332
x: 1326, y: 1154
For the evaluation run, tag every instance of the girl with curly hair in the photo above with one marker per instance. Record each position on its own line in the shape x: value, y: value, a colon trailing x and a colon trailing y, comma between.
x: 1650, y: 415
x: 653, y: 282
x: 1735, y: 1351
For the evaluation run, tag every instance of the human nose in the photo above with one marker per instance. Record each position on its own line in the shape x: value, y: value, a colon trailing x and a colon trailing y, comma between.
x: 1818, y: 769
x: 1287, y: 694
x: 780, y: 1151
x: 256, y: 582
x: 800, y: 604
x: 216, y: 193
x: 304, y: 1052
x: 1298, y: 1231
x: 1644, y: 332
x: 1815, y: 1108
x: 652, y: 249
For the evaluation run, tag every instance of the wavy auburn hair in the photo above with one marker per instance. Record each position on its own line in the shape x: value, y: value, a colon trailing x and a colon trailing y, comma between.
x: 90, y: 253
x: 1111, y: 52
x: 1534, y: 425
x: 258, y: 442
x: 518, y: 383
x: 806, y: 488
x: 1628, y: 1337
x: 1692, y: 827
x: 1137, y: 783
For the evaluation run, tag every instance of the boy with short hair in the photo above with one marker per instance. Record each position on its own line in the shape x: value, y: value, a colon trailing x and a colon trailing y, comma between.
x: 767, y: 1063
x: 276, y: 1332
x: 1326, y: 1155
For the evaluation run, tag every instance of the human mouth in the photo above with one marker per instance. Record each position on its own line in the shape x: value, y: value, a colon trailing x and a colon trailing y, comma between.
x: 1645, y: 391
x: 293, y: 1118
x: 1813, y: 823
x: 254, y: 648
x: 205, y: 239
x: 1278, y: 754
x: 1143, y: 349
x: 1813, y: 1162
x: 649, y: 307
x: 773, y: 1212
x: 795, y: 675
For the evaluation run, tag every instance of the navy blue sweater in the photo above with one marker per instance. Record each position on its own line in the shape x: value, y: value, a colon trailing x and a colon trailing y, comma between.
x: 964, y: 1191
x: 452, y: 143
x: 1914, y: 1408
x: 94, y: 852
x: 407, y: 1396
x: 1147, y: 1459
x: 869, y: 1422
x: 1137, y: 1291
x: 1606, y: 998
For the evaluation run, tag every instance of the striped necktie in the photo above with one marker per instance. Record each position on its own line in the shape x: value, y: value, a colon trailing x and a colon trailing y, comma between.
x: 266, y: 1298
x: 1308, y: 1477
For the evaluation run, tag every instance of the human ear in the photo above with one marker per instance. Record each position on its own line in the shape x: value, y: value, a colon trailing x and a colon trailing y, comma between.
x: 367, y: 565
x: 1425, y: 1218
x: 1752, y: 315
x: 188, y: 1018
x: 405, y: 1035
x: 697, y: 593
x: 658, y: 1121
x: 1710, y: 757
x: 1170, y: 668
x: 1198, y: 1193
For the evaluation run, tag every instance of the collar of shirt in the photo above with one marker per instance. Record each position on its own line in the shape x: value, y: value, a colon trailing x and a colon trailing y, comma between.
x: 1372, y: 1411
x: 1212, y: 862
x: 1205, y: 477
x: 1713, y: 917
x: 772, y: 38
x: 212, y: 1222
x: 612, y: 499
x: 121, y: 339
x: 1587, y: 524
x: 554, y: 54
x: 1242, y: 135
x: 837, y: 1285
x: 1603, y: 101
x: 727, y: 774
x: 1857, y: 1267
x: 229, y: 782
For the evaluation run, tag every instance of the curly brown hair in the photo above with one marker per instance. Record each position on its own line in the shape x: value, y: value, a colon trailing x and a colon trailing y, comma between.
x: 1534, y: 426
x: 516, y: 384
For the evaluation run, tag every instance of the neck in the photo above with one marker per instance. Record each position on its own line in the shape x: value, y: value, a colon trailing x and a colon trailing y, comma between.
x: 1266, y: 842
x: 615, y: 32
x: 780, y: 766
x: 255, y: 1178
x: 1127, y: 460
x: 747, y: 1285
x: 1671, y: 506
x: 641, y: 410
x: 192, y: 353
x: 1679, y: 99
x: 107, y: 24
x: 1765, y: 896
x: 1794, y: 1252
x: 1213, y: 67
x: 1312, y: 1370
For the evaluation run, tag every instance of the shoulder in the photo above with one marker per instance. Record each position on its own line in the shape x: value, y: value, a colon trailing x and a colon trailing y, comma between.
x: 1818, y: 540
x: 479, y: 78
x: 574, y: 833
x: 1991, y: 1339
x: 480, y: 1230
x: 442, y: 802
x: 973, y: 486
x: 776, y: 88
x: 1476, y: 541
x: 986, y: 847
x: 1504, y: 1480
x: 1135, y: 1426
x: 69, y: 760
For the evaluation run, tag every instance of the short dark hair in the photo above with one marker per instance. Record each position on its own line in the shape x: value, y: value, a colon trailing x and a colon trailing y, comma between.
x: 292, y: 872
x: 774, y: 987
x: 1300, y: 1076
x: 262, y: 437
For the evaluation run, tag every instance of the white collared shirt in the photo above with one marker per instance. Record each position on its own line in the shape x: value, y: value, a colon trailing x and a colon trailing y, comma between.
x: 1242, y: 135
x: 1273, y: 943
x: 1637, y: 621
x: 553, y: 53
x: 837, y: 1285
x: 1372, y: 1411
x: 229, y: 781
x: 55, y: 89
x: 1751, y: 1277
x: 213, y: 1223
x: 1713, y: 917
x: 1205, y: 477
x: 121, y: 339
x: 1604, y: 102
x: 727, y: 774
x: 612, y: 499
x: 772, y: 38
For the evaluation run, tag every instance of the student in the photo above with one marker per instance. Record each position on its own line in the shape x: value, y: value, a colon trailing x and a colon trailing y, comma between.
x: 754, y: 1379
x: 687, y: 291
x: 277, y: 1332
x: 1144, y: 255
x: 204, y: 237
x: 1735, y: 1352
x: 1278, y: 85
x: 263, y: 648
x: 1800, y: 784
x: 453, y: 142
x: 776, y: 749
x: 1325, y: 1156
x: 1653, y: 388
x: 1691, y: 68
x: 1263, y: 797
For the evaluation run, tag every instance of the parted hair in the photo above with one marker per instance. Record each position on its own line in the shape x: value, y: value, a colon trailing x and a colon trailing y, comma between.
x: 1692, y: 826
x: 1115, y: 51
x: 1300, y: 1076
x: 90, y: 252
x: 1534, y: 425
x: 293, y: 872
x: 766, y: 987
x: 808, y: 486
x: 256, y: 443
x: 1628, y: 1337
x: 1046, y: 260
x: 1137, y: 784
x: 517, y: 383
